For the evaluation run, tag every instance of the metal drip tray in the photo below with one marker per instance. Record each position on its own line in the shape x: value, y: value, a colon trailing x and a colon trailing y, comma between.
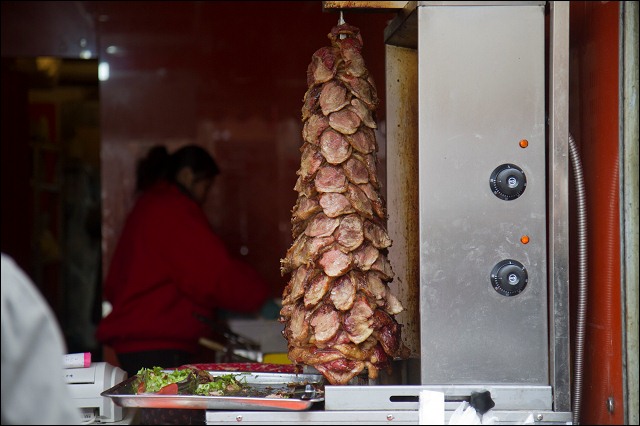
x: 299, y: 396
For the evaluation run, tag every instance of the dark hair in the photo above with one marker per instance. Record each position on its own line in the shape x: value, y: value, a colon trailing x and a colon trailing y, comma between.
x: 159, y: 164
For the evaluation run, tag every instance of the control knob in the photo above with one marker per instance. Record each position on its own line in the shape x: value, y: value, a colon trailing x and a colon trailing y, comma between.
x: 509, y: 277
x: 508, y: 182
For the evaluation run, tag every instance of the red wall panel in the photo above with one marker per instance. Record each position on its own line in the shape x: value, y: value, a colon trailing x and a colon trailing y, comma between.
x: 594, y: 120
x: 230, y: 76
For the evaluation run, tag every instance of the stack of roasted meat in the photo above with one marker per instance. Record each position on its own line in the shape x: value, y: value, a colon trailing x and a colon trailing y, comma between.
x: 337, y: 309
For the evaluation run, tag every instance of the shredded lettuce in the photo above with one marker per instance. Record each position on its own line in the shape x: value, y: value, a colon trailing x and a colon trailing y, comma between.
x: 156, y: 378
x: 227, y: 383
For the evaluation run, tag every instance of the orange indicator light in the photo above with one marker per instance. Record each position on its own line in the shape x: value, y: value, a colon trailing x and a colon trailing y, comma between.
x: 524, y: 239
x: 524, y: 143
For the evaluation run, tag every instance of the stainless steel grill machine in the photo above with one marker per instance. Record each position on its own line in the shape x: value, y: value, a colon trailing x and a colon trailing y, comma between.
x: 477, y: 175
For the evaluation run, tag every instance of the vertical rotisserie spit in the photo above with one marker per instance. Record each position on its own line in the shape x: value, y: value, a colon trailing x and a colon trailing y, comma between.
x: 337, y: 308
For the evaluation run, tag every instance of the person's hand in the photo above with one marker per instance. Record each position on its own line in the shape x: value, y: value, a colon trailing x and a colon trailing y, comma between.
x: 270, y: 310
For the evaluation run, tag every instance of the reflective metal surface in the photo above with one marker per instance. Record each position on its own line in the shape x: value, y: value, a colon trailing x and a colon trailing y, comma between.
x: 558, y: 157
x: 481, y: 91
x: 259, y: 385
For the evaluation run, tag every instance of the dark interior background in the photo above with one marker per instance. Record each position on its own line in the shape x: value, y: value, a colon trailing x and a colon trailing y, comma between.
x: 230, y: 76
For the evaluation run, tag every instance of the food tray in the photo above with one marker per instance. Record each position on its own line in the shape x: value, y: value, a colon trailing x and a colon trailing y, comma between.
x: 260, y: 385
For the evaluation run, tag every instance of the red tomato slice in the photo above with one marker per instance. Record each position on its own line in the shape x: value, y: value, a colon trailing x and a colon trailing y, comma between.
x: 171, y: 389
x: 141, y: 387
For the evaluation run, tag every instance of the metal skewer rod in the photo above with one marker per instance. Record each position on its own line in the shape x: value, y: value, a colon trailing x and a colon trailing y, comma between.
x: 340, y: 22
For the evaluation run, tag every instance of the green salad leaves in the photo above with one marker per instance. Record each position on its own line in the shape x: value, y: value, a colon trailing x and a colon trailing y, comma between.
x: 221, y: 385
x: 187, y: 381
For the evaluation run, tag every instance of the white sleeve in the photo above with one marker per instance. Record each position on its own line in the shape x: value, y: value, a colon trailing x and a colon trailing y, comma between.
x: 33, y: 386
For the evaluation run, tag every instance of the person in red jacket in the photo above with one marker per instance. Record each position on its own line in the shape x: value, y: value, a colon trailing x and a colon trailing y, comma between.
x: 169, y: 266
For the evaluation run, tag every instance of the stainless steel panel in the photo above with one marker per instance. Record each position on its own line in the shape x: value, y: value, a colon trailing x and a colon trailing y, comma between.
x: 629, y: 225
x: 313, y: 417
x: 558, y: 186
x: 481, y: 90
x: 402, y: 30
x: 362, y: 398
x: 374, y: 417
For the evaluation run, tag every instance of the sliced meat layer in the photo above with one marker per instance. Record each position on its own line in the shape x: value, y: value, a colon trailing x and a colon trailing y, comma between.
x: 391, y: 303
x: 304, y: 209
x: 325, y: 322
x: 361, y: 89
x: 311, y: 102
x: 340, y: 371
x: 331, y: 179
x: 372, y: 285
x: 313, y: 128
x: 322, y: 226
x: 364, y: 113
x: 359, y: 201
x: 356, y: 171
x: 323, y: 66
x: 297, y: 284
x: 350, y: 232
x: 350, y: 49
x: 358, y: 322
x: 334, y: 147
x: 333, y: 97
x: 285, y: 313
x: 299, y: 325
x: 294, y: 256
x: 304, y: 251
x: 315, y: 246
x: 376, y: 199
x: 376, y: 234
x: 335, y: 204
x: 318, y: 287
x: 305, y: 187
x: 344, y: 121
x: 361, y: 352
x: 383, y: 266
x: 363, y: 141
x: 343, y: 292
x: 365, y: 256
x: 311, y: 355
x: 311, y: 161
x: 335, y: 262
x: 387, y: 331
x: 370, y: 162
